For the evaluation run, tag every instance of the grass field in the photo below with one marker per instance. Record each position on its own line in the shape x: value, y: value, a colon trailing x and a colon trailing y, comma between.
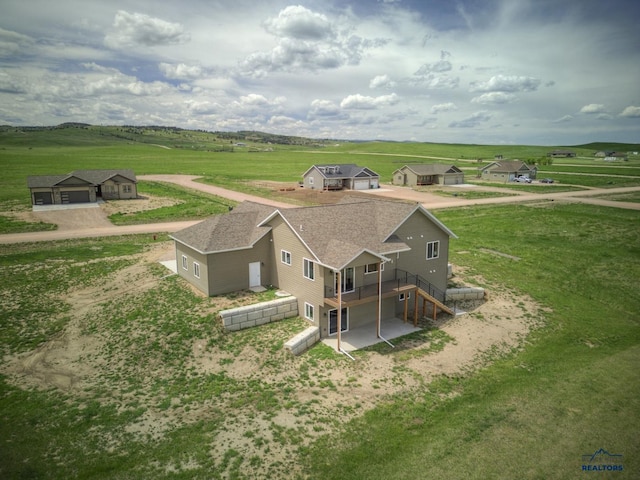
x: 572, y: 388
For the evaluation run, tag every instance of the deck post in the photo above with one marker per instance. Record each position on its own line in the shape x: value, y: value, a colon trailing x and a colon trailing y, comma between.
x: 415, y: 308
x: 406, y: 307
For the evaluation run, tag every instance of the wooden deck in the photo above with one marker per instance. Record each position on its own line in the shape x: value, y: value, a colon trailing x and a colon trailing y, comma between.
x: 369, y: 293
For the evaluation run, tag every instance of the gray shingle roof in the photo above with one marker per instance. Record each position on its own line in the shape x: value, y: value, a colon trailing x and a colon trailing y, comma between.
x: 236, y: 230
x: 432, y: 169
x: 344, y: 170
x: 335, y: 234
x: 506, y: 166
x: 94, y: 177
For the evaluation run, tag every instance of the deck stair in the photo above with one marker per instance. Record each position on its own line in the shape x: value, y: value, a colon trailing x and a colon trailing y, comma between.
x: 435, y: 301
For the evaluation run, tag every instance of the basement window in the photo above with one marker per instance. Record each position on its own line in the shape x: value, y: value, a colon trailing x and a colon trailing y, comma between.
x: 308, y: 311
x: 196, y: 269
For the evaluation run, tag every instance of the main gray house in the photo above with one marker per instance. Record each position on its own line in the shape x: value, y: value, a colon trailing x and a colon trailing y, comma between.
x: 340, y: 176
x: 82, y: 186
x: 357, y: 262
x: 428, y: 174
x: 507, y: 171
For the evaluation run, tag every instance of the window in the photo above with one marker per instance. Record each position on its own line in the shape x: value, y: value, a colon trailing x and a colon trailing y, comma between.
x: 404, y: 296
x: 126, y: 188
x: 310, y: 180
x: 196, y: 269
x: 184, y: 262
x: 285, y: 257
x: 433, y: 249
x: 308, y: 311
x: 373, y: 268
x: 309, y: 270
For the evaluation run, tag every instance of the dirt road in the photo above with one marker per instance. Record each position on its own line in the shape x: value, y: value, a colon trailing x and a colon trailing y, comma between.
x: 70, y: 222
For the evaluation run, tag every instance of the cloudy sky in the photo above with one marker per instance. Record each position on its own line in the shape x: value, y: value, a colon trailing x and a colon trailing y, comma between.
x: 545, y: 72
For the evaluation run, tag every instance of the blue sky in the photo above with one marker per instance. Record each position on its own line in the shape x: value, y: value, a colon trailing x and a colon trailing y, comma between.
x: 541, y: 72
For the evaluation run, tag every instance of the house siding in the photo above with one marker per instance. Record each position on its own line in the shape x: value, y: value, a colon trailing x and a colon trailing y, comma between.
x: 416, y: 232
x: 115, y: 189
x: 229, y: 271
x: 290, y: 278
x: 313, y: 179
x: 201, y: 283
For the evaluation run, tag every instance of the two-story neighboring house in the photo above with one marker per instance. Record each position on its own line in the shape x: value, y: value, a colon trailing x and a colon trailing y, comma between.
x: 354, y: 263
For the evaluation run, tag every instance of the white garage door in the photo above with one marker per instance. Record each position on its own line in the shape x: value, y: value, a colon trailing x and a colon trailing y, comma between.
x: 361, y: 185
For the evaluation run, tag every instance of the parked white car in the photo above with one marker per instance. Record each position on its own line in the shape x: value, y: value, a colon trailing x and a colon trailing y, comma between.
x: 523, y: 179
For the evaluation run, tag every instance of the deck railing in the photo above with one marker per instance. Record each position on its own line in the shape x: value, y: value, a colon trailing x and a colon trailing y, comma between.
x: 401, y: 279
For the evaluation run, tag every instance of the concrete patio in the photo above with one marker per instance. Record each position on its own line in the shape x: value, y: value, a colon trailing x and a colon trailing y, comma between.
x: 365, y: 335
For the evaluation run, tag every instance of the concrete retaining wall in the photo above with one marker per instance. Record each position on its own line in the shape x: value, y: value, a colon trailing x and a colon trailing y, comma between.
x: 465, y: 293
x: 259, y: 313
x: 303, y: 341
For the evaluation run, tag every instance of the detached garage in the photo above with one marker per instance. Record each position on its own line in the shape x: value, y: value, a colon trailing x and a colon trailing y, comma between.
x: 82, y: 186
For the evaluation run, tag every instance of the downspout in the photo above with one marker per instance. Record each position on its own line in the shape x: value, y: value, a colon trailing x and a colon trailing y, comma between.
x: 379, y: 320
x: 339, y: 312
x: 378, y: 329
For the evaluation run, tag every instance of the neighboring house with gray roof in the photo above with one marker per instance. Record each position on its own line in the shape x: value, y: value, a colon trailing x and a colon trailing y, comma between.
x: 507, y: 171
x: 428, y: 174
x: 354, y: 263
x: 82, y: 186
x: 347, y: 176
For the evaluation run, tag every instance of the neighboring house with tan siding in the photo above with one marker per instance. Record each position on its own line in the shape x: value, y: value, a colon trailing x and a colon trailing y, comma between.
x: 82, y: 186
x: 357, y: 262
x: 428, y: 174
x: 507, y: 171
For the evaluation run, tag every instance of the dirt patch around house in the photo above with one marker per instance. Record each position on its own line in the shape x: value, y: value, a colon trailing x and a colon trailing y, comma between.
x: 295, y: 193
x: 93, y: 216
x: 314, y: 388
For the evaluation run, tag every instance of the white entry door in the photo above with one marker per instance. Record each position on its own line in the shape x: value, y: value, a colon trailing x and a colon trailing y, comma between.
x: 254, y: 274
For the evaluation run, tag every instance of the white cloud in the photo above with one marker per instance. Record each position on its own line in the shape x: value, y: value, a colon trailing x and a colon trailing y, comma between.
x: 506, y: 83
x: 382, y: 81
x: 323, y: 108
x: 307, y: 41
x: 437, y: 67
x: 133, y: 29
x: 631, y: 112
x: 444, y: 107
x: 494, y: 98
x: 180, y: 71
x: 361, y: 102
x: 593, y: 108
x: 300, y: 23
